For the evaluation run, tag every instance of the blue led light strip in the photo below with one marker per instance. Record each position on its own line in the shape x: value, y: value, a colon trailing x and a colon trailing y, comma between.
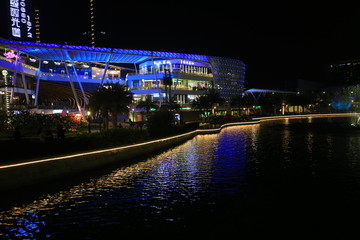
x: 41, y: 50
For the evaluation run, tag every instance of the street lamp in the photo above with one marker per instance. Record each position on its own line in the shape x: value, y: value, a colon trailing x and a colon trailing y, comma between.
x: 89, y: 121
x: 133, y: 114
x: 7, y: 99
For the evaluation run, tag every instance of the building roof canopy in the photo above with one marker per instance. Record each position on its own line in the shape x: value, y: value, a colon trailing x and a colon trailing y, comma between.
x: 58, y: 52
x: 256, y: 90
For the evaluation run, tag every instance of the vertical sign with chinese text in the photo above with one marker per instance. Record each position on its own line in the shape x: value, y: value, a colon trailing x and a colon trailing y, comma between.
x: 21, y: 25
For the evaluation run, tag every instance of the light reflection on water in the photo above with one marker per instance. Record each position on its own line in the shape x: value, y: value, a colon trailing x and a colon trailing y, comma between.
x: 246, y: 177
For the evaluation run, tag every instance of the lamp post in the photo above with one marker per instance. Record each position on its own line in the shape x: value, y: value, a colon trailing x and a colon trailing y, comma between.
x: 7, y: 99
x: 133, y: 115
x: 89, y: 121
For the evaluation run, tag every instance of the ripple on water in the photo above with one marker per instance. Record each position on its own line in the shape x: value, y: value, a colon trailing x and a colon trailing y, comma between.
x: 246, y: 178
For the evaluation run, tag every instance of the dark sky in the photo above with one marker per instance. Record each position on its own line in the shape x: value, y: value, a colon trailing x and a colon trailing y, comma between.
x: 279, y: 42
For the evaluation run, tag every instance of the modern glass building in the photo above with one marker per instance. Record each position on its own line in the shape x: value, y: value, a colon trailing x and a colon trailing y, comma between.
x: 148, y: 74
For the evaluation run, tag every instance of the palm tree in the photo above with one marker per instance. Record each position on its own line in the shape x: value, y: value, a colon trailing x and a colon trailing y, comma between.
x: 201, y: 103
x: 208, y: 101
x: 214, y: 97
x: 111, y: 99
x: 241, y: 101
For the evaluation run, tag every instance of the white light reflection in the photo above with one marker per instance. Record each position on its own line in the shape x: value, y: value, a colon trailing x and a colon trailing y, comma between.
x: 191, y: 160
x: 199, y: 131
x: 24, y: 220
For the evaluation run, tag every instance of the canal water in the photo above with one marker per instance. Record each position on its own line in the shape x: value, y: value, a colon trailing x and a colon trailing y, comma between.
x: 285, y: 179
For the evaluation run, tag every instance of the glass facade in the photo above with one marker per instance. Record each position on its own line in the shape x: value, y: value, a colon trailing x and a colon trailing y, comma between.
x: 229, y: 76
x: 190, y: 78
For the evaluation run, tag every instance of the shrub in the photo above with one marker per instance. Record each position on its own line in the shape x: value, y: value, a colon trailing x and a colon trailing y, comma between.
x: 161, y: 123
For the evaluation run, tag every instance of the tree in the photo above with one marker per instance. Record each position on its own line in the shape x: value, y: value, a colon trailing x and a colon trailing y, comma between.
x: 346, y: 98
x: 201, y: 103
x: 112, y: 99
x: 241, y: 101
x: 161, y: 123
x: 214, y: 98
x: 147, y: 105
x: 208, y: 101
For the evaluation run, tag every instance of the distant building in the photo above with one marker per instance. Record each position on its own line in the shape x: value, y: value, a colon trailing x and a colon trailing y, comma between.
x: 94, y: 35
x: 92, y: 23
x: 37, y: 25
x: 306, y: 86
x: 344, y: 73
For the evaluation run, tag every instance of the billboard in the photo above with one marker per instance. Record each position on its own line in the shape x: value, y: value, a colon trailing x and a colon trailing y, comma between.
x: 20, y: 23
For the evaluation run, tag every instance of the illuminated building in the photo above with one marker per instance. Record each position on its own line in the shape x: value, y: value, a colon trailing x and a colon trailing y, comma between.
x: 92, y: 23
x: 344, y: 73
x: 190, y: 78
x: 85, y: 68
x: 37, y: 25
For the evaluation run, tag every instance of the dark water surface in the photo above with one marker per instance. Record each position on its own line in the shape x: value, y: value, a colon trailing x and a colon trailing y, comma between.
x: 286, y: 179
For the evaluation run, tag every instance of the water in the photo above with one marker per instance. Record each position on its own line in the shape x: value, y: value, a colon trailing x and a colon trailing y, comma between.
x: 283, y: 179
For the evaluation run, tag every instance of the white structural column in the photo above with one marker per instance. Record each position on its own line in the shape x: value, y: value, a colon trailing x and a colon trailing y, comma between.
x: 76, y: 76
x: 38, y: 77
x: 73, y: 89
x: 80, y: 85
x: 136, y: 71
x: 72, y: 86
x: 156, y: 79
x: 24, y: 82
x: 105, y: 70
x: 14, y: 77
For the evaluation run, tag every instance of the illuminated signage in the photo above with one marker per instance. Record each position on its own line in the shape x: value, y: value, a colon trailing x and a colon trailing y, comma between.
x: 10, y: 54
x: 20, y: 19
x: 173, y: 61
x: 162, y: 62
x: 186, y: 62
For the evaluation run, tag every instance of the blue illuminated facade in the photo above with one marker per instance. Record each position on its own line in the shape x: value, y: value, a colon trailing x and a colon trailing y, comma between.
x: 192, y: 74
x: 189, y: 79
x: 229, y: 76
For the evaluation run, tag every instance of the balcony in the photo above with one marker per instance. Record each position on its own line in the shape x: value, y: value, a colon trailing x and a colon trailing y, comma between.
x: 160, y: 75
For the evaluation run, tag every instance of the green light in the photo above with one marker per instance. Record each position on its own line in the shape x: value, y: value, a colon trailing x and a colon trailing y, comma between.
x: 185, y: 108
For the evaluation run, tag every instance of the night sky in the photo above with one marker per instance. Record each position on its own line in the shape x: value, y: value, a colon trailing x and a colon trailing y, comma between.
x: 279, y: 42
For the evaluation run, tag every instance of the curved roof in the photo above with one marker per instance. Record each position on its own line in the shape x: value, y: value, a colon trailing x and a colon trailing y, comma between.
x: 59, y: 92
x: 59, y: 52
